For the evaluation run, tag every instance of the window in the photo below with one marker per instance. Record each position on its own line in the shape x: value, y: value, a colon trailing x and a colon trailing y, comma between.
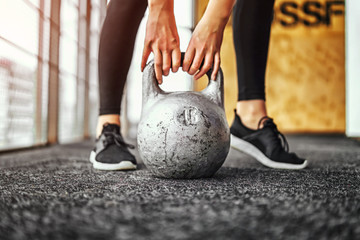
x: 24, y: 69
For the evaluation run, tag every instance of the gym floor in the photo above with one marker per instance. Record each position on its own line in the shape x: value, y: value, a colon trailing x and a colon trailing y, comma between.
x: 53, y: 193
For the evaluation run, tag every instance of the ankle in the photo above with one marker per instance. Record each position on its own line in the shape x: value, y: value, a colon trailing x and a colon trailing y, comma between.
x: 250, y: 112
x: 109, y: 118
x: 251, y: 122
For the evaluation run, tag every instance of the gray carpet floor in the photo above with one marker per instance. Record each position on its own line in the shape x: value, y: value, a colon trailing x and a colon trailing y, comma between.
x: 53, y: 193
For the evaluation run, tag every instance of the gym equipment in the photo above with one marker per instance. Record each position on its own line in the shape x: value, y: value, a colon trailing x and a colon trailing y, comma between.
x: 183, y: 134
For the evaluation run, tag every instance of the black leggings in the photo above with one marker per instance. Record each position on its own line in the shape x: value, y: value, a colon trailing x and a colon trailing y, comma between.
x: 251, y: 31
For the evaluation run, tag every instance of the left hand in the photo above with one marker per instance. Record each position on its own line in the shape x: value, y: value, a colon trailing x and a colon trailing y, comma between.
x: 204, y: 47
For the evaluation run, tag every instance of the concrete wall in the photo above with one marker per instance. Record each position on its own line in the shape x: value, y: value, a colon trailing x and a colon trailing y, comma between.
x: 352, y: 68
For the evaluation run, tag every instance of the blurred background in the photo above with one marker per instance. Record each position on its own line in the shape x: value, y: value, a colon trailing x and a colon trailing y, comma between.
x: 49, y: 78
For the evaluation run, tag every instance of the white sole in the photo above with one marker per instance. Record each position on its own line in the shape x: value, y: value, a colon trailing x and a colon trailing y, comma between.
x: 124, y: 165
x: 248, y: 148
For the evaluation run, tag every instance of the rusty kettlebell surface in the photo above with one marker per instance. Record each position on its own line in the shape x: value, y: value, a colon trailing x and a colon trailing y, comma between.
x: 183, y: 134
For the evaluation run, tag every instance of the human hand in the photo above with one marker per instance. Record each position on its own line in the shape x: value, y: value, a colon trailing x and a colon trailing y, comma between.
x: 205, y: 43
x: 204, y: 47
x: 162, y: 39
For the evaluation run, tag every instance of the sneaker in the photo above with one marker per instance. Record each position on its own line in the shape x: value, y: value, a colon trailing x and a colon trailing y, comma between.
x: 266, y: 144
x: 111, y: 152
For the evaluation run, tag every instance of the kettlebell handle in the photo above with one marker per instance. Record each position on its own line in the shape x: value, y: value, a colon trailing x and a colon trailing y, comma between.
x: 151, y: 90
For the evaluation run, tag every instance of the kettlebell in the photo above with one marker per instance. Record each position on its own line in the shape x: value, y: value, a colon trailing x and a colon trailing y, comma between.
x: 183, y: 134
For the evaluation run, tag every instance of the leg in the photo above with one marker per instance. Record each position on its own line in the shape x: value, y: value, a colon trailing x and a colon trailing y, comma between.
x: 255, y: 133
x: 115, y: 52
x: 251, y: 31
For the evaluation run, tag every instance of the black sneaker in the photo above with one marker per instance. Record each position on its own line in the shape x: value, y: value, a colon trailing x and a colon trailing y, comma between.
x: 267, y: 144
x: 111, y: 152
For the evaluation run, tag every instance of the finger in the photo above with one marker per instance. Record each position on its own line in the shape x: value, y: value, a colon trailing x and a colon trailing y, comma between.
x: 195, y: 65
x: 166, y: 64
x: 216, y: 66
x: 176, y: 58
x: 209, y: 58
x: 158, y: 66
x: 145, y: 56
x: 188, y: 58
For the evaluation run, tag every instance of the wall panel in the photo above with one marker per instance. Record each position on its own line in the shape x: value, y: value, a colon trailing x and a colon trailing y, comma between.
x: 305, y: 80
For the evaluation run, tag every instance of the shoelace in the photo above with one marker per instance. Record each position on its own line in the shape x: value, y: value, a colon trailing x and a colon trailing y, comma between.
x: 113, y: 137
x: 279, y: 136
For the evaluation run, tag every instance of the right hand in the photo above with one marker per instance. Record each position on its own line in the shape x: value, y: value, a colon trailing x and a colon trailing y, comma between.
x: 162, y: 39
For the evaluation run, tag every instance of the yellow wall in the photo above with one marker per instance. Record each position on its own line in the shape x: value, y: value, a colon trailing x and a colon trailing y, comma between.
x: 305, y: 80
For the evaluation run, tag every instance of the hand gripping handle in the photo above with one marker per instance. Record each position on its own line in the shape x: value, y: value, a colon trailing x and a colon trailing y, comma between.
x: 151, y: 90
